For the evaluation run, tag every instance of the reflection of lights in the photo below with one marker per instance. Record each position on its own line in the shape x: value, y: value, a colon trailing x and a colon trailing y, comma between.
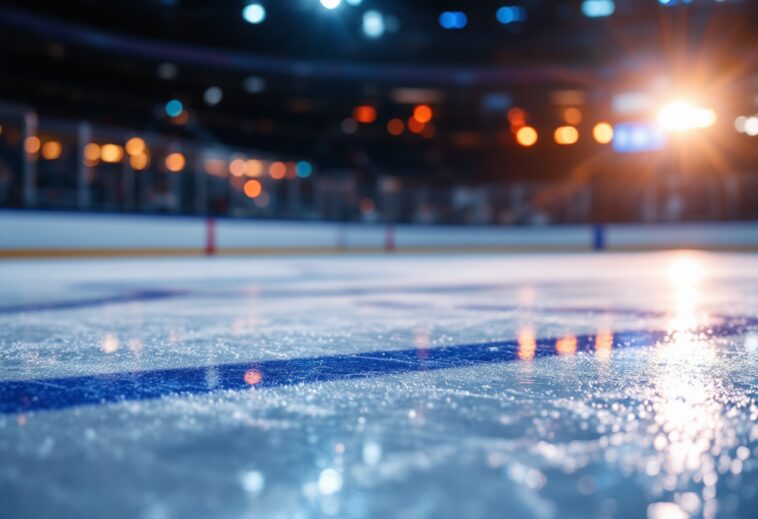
x: 566, y: 135
x: 566, y: 345
x: 52, y: 150
x: 111, y: 153
x: 685, y: 271
x: 683, y: 115
x: 110, y: 343
x: 603, y: 133
x: 527, y: 343
x: 685, y: 274
x: 372, y: 453
x: 252, y: 481
x: 32, y: 144
x: 603, y: 343
x: 253, y: 376
x: 666, y: 511
x: 253, y: 188
x: 175, y: 162
x: 134, y: 345
x: 527, y: 136
x: 329, y: 481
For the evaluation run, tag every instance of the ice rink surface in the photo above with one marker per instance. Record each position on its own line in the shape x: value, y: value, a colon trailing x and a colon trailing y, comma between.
x: 524, y: 386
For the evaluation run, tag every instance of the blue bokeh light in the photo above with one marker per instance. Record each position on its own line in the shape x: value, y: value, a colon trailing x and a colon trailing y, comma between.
x: 303, y: 169
x: 510, y: 14
x: 174, y: 108
x: 598, y: 8
x: 453, y: 20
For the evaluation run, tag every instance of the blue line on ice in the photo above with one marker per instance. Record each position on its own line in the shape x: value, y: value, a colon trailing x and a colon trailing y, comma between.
x: 61, y: 393
x: 144, y: 295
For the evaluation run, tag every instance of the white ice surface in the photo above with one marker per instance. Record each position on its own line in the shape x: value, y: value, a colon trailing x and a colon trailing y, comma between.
x: 662, y: 432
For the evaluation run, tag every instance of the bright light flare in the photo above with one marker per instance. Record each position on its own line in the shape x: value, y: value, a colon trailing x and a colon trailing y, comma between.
x: 566, y: 135
x: 331, y: 4
x: 683, y: 115
x: 603, y: 133
x: 527, y: 136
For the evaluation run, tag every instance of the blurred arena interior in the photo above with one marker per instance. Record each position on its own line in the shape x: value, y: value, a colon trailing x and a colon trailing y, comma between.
x: 478, y: 354
x: 424, y: 112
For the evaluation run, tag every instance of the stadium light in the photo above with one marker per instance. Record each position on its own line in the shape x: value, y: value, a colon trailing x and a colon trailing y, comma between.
x: 330, y: 4
x: 598, y: 8
x: 683, y: 115
x: 373, y: 24
x: 254, y: 13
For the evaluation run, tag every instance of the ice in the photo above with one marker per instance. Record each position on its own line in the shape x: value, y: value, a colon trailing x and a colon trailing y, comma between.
x: 419, y: 386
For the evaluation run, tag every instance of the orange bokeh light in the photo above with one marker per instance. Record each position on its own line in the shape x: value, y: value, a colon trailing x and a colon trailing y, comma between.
x: 111, y: 153
x: 32, y: 144
x: 517, y: 117
x: 566, y: 135
x: 52, y: 150
x: 603, y: 133
x: 134, y: 146
x: 395, y: 127
x: 364, y: 114
x: 277, y: 170
x: 422, y: 113
x: 253, y: 188
x: 253, y: 168
x: 237, y: 167
x: 175, y: 162
x: 572, y: 116
x: 415, y: 126
x: 527, y: 136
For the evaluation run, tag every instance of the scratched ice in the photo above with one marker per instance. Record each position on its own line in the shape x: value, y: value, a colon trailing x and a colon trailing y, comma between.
x: 545, y: 386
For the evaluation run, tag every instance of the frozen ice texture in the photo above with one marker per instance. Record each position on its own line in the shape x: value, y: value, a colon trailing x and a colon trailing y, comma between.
x: 664, y: 430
